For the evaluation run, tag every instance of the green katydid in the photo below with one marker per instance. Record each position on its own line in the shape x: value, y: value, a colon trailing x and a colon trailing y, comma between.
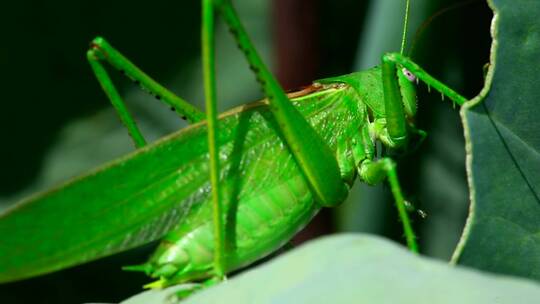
x: 180, y: 185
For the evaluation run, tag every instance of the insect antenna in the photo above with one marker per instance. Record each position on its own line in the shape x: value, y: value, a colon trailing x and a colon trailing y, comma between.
x: 405, y: 23
x: 430, y: 20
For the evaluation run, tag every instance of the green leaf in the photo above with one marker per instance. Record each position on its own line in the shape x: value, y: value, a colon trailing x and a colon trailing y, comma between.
x: 503, y: 142
x: 353, y: 268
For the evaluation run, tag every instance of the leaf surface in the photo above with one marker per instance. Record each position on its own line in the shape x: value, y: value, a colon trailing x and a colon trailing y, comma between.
x: 354, y: 268
x: 502, y: 133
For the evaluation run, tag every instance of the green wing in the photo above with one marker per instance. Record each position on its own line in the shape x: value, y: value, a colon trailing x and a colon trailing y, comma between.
x: 138, y: 198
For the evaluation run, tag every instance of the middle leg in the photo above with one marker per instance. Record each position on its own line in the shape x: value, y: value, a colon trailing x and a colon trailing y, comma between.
x: 374, y: 172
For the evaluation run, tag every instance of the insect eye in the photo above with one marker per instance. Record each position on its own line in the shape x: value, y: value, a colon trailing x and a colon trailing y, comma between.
x: 408, y: 74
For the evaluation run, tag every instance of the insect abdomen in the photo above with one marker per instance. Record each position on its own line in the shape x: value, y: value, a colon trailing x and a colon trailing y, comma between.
x: 267, y: 222
x: 262, y: 223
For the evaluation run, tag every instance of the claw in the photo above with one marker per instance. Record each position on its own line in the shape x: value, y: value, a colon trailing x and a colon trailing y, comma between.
x: 422, y: 213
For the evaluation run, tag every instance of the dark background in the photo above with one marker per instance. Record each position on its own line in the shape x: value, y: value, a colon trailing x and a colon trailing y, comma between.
x: 47, y: 83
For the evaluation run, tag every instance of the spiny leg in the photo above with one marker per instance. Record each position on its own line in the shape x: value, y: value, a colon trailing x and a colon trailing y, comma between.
x: 314, y: 157
x: 208, y: 51
x: 399, y: 95
x: 389, y: 61
x: 100, y: 50
x: 373, y: 172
